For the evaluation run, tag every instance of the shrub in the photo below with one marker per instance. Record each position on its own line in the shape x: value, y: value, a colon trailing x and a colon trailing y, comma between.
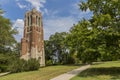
x: 21, y: 65
x: 89, y: 56
x: 4, y: 61
x: 3, y: 68
x: 13, y: 64
x: 49, y: 62
x: 70, y: 60
x: 17, y: 66
x: 33, y: 64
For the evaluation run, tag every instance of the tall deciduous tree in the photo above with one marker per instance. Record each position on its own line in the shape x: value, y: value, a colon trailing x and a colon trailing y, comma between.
x: 56, y: 47
x: 6, y: 34
x: 98, y: 37
x: 106, y: 22
x: 83, y: 42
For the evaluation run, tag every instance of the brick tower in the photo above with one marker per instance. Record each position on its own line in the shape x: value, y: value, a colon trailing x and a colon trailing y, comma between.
x: 32, y: 43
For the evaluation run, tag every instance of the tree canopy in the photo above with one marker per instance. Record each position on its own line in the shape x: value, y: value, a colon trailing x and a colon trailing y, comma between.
x: 7, y: 39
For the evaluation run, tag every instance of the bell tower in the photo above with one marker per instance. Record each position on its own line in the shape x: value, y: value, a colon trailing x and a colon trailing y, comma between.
x: 32, y: 43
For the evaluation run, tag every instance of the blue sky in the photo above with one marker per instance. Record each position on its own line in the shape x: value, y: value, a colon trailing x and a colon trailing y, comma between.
x: 58, y: 15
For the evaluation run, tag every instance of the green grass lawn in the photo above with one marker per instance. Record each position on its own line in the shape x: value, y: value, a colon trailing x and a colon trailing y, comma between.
x: 101, y: 71
x: 45, y: 73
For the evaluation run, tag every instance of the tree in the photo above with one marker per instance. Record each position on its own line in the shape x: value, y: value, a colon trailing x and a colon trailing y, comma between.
x: 105, y: 23
x: 7, y: 42
x: 16, y: 49
x: 7, y: 39
x: 55, y: 47
x: 48, y: 53
x: 83, y: 42
x: 97, y: 38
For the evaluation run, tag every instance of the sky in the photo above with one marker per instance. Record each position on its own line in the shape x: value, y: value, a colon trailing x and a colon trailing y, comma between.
x: 58, y: 15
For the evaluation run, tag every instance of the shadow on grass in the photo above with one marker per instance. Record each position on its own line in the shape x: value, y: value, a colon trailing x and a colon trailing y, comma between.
x: 114, y: 72
x: 66, y: 65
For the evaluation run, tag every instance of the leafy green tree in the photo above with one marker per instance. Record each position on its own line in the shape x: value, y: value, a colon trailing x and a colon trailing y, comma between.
x: 7, y: 39
x: 55, y: 48
x: 48, y: 52
x: 99, y: 37
x: 83, y: 42
x: 7, y: 42
x: 16, y: 49
x: 105, y: 23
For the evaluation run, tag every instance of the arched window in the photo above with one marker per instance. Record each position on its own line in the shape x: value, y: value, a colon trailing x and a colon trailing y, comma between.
x: 31, y: 20
x: 28, y: 21
x: 36, y: 20
x: 39, y: 21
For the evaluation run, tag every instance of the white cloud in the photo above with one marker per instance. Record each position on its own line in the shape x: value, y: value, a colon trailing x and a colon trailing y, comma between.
x: 57, y: 24
x: 21, y: 5
x: 37, y: 3
x: 19, y: 25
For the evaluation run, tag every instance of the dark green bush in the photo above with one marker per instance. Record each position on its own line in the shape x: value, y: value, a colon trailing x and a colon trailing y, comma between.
x: 49, y: 62
x: 3, y: 68
x: 33, y: 64
x: 89, y: 56
x: 17, y: 65
x: 13, y: 64
x: 21, y: 65
x: 4, y: 61
x: 70, y: 60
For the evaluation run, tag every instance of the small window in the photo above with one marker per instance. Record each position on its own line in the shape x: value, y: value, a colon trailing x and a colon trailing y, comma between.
x: 39, y: 21
x: 31, y: 19
x: 28, y: 21
x: 36, y: 20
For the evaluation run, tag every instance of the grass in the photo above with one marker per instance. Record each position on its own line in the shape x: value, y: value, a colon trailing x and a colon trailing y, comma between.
x: 101, y: 71
x: 45, y: 73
